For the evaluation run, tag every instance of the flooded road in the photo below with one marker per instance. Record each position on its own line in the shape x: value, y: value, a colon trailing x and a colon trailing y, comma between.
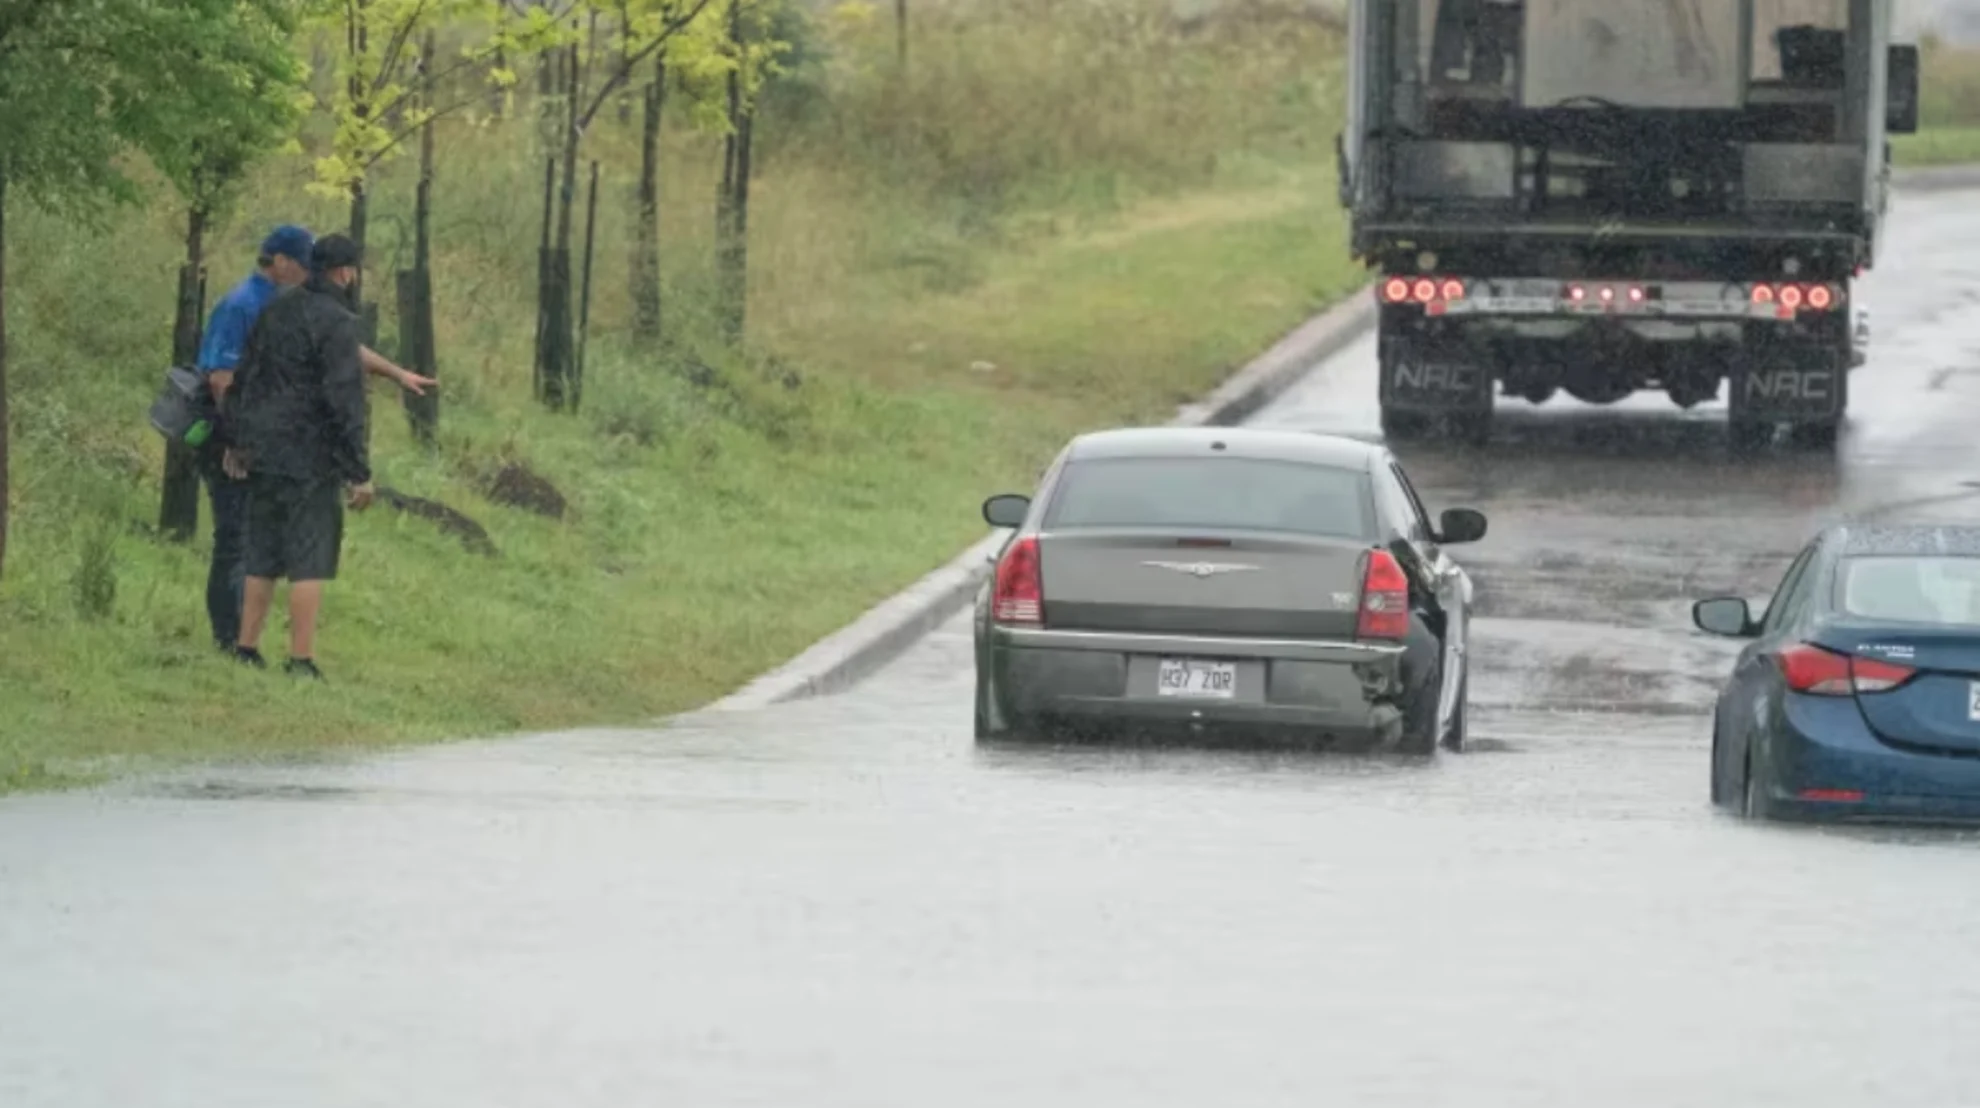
x: 843, y: 902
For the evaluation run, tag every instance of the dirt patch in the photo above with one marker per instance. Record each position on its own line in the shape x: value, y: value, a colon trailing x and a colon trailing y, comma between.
x: 517, y: 486
x: 451, y: 522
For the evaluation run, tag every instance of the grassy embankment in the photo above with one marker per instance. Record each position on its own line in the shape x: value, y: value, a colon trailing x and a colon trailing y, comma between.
x: 1072, y: 220
x: 1948, y: 111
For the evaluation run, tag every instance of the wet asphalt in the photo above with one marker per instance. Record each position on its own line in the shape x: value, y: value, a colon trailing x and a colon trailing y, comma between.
x: 843, y: 902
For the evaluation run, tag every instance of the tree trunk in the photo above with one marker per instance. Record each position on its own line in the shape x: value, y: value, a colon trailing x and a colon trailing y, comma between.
x: 3, y: 371
x: 732, y: 204
x: 745, y: 142
x: 498, y: 97
x: 901, y: 33
x: 557, y: 305
x: 646, y: 250
x: 178, y: 507
x: 360, y: 227
x: 416, y: 326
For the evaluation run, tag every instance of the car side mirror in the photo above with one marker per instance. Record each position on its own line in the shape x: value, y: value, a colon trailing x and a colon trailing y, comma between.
x: 1458, y: 525
x: 1724, y: 615
x: 1901, y: 90
x: 1007, y: 510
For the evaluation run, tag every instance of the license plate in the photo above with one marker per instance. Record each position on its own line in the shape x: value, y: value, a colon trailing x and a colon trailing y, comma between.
x: 1199, y: 680
x: 1973, y: 701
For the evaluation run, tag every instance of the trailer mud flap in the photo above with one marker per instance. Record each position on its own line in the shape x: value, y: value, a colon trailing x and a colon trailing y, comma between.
x: 1812, y: 391
x: 1416, y: 379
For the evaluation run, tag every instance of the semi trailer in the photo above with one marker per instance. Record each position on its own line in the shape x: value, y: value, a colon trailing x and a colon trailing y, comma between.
x: 1603, y: 197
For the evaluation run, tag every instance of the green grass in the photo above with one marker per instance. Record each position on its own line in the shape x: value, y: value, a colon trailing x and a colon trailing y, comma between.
x: 1933, y: 146
x: 943, y: 289
x: 1948, y: 110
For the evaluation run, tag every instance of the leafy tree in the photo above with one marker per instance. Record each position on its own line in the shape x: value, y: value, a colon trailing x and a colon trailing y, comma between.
x: 604, y: 43
x: 752, y: 53
x: 83, y: 82
x: 382, y: 98
x: 205, y: 152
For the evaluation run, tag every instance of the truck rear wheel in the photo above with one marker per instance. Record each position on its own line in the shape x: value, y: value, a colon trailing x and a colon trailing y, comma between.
x: 1749, y: 435
x: 1815, y: 436
x: 1399, y: 426
x: 1472, y: 428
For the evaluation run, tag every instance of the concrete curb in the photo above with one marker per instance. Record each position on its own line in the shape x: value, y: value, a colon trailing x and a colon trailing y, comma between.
x: 843, y: 658
x: 1936, y: 178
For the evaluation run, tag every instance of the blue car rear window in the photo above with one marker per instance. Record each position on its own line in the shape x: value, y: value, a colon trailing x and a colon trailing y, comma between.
x: 1212, y: 494
x: 1911, y: 589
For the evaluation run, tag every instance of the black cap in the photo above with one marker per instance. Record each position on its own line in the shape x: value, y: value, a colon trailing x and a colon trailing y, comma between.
x: 334, y: 252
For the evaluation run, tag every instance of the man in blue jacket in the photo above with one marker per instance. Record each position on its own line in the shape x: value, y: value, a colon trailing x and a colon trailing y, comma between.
x: 284, y: 262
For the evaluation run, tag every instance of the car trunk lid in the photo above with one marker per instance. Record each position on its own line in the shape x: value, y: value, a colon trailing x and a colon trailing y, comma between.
x: 1937, y: 707
x: 1157, y: 581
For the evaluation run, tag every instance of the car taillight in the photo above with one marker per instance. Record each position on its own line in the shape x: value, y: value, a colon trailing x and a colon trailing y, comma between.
x: 1819, y: 672
x: 1384, y: 599
x: 1874, y: 676
x: 1019, y: 594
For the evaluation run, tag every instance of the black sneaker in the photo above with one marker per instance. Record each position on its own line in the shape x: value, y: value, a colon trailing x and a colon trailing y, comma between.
x: 248, y: 655
x: 302, y: 667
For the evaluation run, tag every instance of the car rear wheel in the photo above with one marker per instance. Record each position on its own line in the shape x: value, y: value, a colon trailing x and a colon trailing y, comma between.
x: 1753, y: 798
x: 990, y: 731
x: 1718, y: 789
x: 1455, y: 740
x: 1419, y: 731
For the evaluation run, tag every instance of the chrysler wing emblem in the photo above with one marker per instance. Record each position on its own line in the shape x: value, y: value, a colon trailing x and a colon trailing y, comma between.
x: 1201, y: 569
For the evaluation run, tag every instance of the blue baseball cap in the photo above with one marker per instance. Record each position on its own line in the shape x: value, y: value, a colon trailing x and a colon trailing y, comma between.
x: 289, y: 241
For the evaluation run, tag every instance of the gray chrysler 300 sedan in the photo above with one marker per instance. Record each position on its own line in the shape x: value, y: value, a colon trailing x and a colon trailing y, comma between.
x: 1277, y: 581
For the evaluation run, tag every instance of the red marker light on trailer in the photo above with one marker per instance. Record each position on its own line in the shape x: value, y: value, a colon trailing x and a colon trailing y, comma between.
x: 1396, y: 290
x: 1819, y: 298
x: 1791, y: 297
x: 1763, y: 294
x: 1577, y: 294
x: 1454, y: 290
x: 1426, y: 291
x: 1635, y: 295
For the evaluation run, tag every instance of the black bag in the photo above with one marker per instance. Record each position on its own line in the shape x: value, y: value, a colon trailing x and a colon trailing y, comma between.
x: 184, y: 411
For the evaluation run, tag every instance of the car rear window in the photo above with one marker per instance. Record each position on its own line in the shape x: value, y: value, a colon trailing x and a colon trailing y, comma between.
x: 1209, y: 494
x: 1912, y: 589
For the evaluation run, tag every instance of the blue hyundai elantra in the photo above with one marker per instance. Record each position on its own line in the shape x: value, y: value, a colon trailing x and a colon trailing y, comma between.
x: 1858, y: 697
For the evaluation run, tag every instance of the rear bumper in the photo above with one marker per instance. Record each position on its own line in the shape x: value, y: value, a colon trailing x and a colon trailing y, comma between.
x: 1320, y: 691
x: 1823, y: 743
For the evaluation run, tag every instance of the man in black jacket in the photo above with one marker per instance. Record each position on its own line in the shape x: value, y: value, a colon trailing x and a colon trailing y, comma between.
x: 299, y: 418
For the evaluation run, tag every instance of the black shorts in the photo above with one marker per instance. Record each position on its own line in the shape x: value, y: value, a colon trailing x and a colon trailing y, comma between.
x: 295, y: 527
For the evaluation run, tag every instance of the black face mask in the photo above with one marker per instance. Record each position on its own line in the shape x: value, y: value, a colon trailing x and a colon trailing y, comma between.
x: 342, y: 294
